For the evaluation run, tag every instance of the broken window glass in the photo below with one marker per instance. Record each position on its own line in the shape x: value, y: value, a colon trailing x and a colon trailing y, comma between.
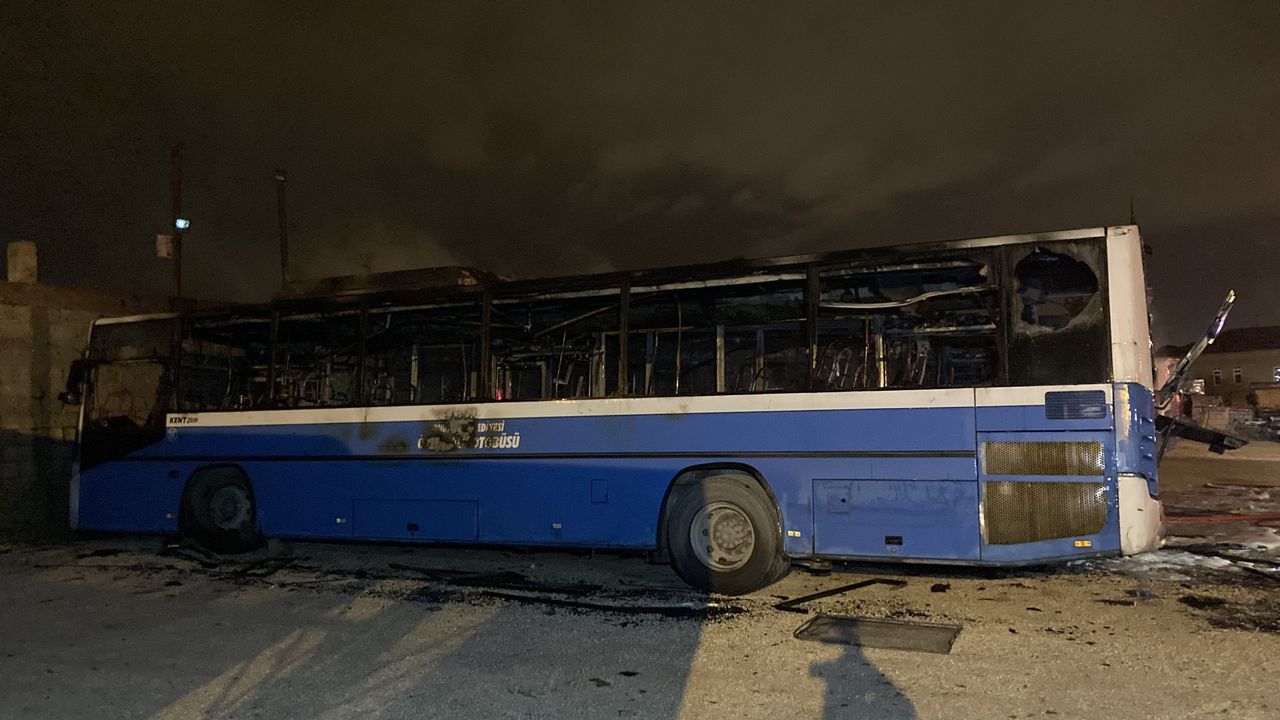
x: 1054, y: 288
x: 1059, y: 332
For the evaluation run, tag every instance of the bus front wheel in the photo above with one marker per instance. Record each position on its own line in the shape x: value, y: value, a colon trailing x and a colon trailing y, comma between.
x: 724, y: 536
x: 218, y: 511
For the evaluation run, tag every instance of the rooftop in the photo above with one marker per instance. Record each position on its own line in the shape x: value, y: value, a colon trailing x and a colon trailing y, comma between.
x: 1265, y: 337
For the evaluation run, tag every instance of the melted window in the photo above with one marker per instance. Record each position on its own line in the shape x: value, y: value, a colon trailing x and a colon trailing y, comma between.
x: 1058, y: 330
x: 1054, y: 288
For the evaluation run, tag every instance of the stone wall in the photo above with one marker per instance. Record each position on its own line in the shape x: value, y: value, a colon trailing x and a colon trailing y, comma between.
x: 42, y: 330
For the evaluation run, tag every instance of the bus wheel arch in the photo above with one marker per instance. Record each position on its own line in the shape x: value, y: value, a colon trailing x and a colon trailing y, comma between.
x: 734, y: 503
x: 219, y: 509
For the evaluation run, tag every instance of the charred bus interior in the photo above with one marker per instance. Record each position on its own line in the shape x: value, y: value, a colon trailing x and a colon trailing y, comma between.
x: 952, y: 315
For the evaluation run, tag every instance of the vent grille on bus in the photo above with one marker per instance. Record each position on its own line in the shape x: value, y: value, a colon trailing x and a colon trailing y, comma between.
x: 1075, y: 405
x: 1043, y: 458
x: 1022, y: 512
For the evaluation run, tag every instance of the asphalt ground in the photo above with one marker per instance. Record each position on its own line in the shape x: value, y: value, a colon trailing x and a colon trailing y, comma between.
x: 135, y: 627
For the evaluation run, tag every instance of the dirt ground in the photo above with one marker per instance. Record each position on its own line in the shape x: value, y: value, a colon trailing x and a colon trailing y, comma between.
x: 136, y: 627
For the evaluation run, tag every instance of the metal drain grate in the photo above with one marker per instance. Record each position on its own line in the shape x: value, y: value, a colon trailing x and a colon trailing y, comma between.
x: 869, y: 632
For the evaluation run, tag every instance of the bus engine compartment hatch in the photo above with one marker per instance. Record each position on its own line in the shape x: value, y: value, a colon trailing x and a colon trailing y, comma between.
x: 903, y: 518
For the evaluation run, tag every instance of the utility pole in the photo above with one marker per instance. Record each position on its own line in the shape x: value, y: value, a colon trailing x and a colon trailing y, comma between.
x: 176, y: 226
x: 282, y: 218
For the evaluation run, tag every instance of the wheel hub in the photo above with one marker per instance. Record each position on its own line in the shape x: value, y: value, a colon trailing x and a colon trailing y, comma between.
x: 722, y: 536
x: 230, y: 507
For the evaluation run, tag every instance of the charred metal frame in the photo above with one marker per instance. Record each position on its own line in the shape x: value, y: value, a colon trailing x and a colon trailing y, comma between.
x: 624, y: 334
x: 485, y: 379
x: 808, y: 269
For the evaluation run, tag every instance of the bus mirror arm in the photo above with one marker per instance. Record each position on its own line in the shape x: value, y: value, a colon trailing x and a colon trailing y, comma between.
x: 1171, y: 386
x: 76, y: 378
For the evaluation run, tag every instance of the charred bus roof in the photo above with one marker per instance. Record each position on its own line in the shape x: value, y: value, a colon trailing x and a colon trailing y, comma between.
x: 607, y: 283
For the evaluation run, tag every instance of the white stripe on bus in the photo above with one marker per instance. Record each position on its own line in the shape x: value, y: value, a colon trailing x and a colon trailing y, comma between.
x: 589, y: 407
x: 1006, y: 396
x: 605, y: 407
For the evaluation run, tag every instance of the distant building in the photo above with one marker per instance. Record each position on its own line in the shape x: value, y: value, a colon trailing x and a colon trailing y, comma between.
x: 1242, y: 366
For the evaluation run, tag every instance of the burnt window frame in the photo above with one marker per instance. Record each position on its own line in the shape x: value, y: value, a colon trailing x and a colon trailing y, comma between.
x: 254, y: 317
x: 755, y: 328
x: 624, y: 288
x: 986, y: 261
x: 472, y: 390
x: 355, y: 383
x: 100, y: 440
x: 1013, y: 253
x: 528, y: 324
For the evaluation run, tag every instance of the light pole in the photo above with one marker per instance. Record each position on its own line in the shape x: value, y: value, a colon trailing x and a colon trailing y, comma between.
x: 282, y: 219
x: 180, y: 224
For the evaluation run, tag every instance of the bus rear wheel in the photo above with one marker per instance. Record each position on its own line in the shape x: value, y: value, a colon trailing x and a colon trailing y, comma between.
x: 724, y: 536
x: 218, y: 511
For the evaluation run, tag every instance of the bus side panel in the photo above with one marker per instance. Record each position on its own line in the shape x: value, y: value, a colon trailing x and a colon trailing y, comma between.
x: 610, y: 498
x: 1047, y: 472
x: 920, y: 508
x: 588, y: 503
x: 608, y: 502
x: 130, y: 496
x: 590, y: 481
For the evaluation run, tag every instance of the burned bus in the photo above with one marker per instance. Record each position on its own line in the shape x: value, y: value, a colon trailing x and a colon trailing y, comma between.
x: 985, y: 401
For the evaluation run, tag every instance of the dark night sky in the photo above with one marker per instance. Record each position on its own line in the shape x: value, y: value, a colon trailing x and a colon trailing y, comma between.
x: 540, y: 139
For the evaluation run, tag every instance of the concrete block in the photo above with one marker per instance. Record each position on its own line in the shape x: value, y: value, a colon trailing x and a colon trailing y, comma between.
x: 23, y: 263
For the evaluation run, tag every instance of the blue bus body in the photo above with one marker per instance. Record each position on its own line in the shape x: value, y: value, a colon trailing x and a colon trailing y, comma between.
x: 1001, y: 474
x: 863, y: 481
